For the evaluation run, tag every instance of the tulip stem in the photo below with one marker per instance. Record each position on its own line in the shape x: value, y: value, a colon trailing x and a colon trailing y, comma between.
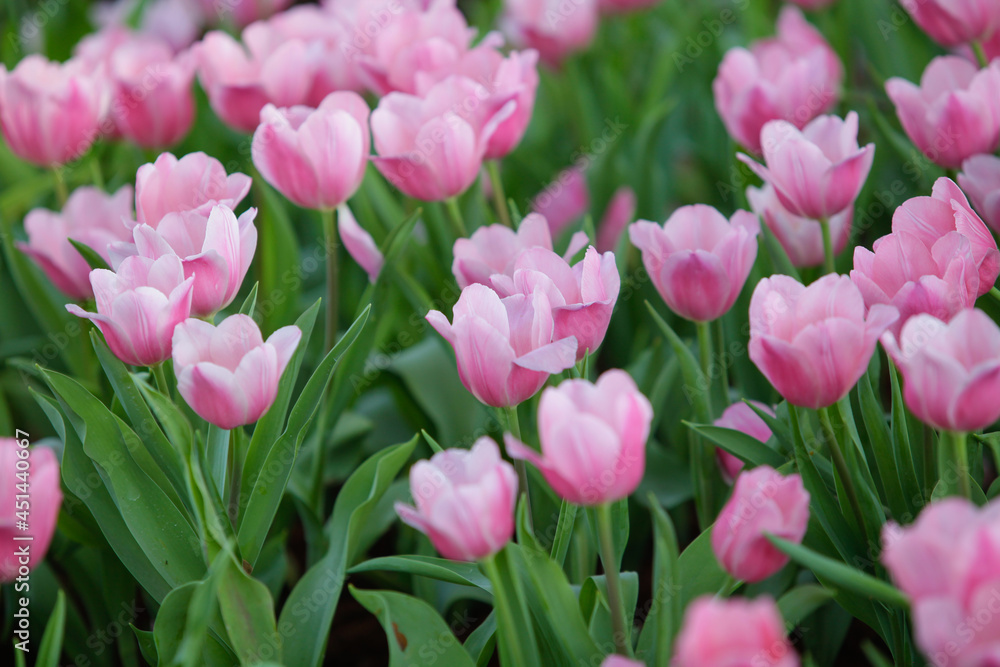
x: 514, y: 426
x: 61, y: 192
x: 161, y: 378
x: 840, y: 463
x: 959, y: 449
x: 995, y: 293
x: 705, y: 355
x: 493, y: 166
x: 619, y: 624
x: 977, y: 48
x: 95, y: 173
x: 332, y: 288
x: 828, y: 258
x: 455, y: 214
x: 217, y: 445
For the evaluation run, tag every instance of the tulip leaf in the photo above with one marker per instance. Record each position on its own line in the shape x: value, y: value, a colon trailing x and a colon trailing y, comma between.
x: 248, y: 613
x: 441, y: 569
x: 695, y: 383
x: 779, y: 429
x: 52, y: 640
x: 481, y: 642
x: 280, y: 259
x: 250, y: 303
x: 800, y: 602
x: 889, y: 470
x: 663, y: 616
x: 699, y: 572
x: 744, y: 447
x: 93, y: 259
x: 596, y: 608
x: 147, y: 644
x: 564, y: 531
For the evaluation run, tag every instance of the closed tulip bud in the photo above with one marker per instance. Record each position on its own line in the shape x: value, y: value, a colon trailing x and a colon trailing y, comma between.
x: 138, y: 307
x: 196, y: 183
x: 566, y: 199
x: 90, y: 217
x: 359, y: 244
x: 814, y: 343
x: 464, y: 501
x: 980, y: 179
x: 229, y: 374
x: 741, y: 417
x: 698, y: 260
x: 554, y: 28
x: 619, y: 214
x: 801, y: 238
x: 505, y: 349
x: 733, y: 632
x: 315, y: 157
x: 593, y: 438
x: 41, y: 501
x: 763, y: 502
x: 955, y: 22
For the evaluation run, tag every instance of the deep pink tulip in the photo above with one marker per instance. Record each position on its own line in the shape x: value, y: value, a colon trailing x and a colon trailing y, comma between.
x: 980, y: 179
x: 945, y: 211
x: 950, y: 116
x: 90, y: 217
x: 495, y: 249
x: 359, y: 244
x: 619, y: 214
x: 196, y: 182
x: 698, y: 260
x: 50, y: 113
x: 464, y: 501
x: 554, y: 28
x: 951, y: 370
x: 955, y: 22
x: 215, y: 250
x: 315, y: 157
x: 41, y: 502
x: 505, y: 349
x: 240, y: 12
x: 733, y: 632
x: 432, y: 147
x: 801, y: 238
x: 229, y: 374
x: 138, y: 307
x: 947, y: 563
x: 818, y: 172
x: 813, y: 343
x: 565, y: 200
x: 741, y: 417
x: 593, y: 438
x: 794, y: 76
x: 763, y: 502
x: 582, y: 297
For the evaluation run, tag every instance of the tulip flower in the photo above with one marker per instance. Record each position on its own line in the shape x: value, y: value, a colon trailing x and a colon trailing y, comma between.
x: 315, y: 157
x: 505, y: 349
x: 359, y: 244
x: 554, y: 28
x: 801, y: 238
x: 565, y: 199
x: 951, y: 371
x: 432, y: 147
x: 139, y: 306
x: 40, y: 502
x: 763, y: 502
x: 741, y: 417
x: 817, y: 172
x: 950, y: 116
x: 814, y: 343
x: 229, y: 374
x: 980, y: 179
x: 582, y: 297
x: 945, y: 211
x: 737, y: 631
x: 619, y: 214
x: 698, y: 260
x: 50, y: 113
x: 955, y: 22
x: 464, y: 501
x: 90, y: 217
x: 615, y: 660
x: 593, y: 438
x: 794, y: 76
x: 176, y: 23
x: 196, y: 183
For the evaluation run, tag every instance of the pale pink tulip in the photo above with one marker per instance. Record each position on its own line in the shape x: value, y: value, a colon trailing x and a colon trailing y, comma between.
x: 955, y: 22
x: 980, y: 179
x: 505, y: 349
x: 593, y: 438
x: 734, y: 632
x: 814, y: 343
x: 619, y: 214
x: 741, y: 417
x: 359, y: 244
x: 564, y: 200
x: 37, y: 506
x: 615, y: 660
x: 464, y: 501
x: 554, y: 28
x: 801, y: 238
x: 698, y: 260
x: 196, y: 182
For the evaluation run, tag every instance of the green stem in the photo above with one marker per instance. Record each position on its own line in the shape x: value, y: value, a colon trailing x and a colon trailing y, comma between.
x: 995, y: 293
x: 61, y: 192
x: 455, y: 215
x: 841, y: 465
x: 619, y: 623
x: 977, y: 48
x: 514, y: 426
x: 236, y: 476
x: 161, y: 378
x: 95, y: 173
x: 329, y: 217
x: 957, y: 443
x: 705, y: 356
x: 828, y: 258
x: 499, y: 199
x: 217, y: 444
x: 511, y: 651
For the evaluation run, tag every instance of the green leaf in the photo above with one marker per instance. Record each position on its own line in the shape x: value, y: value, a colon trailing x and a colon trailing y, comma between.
x: 744, y: 447
x: 250, y: 303
x: 695, y: 383
x: 52, y: 639
x: 147, y: 644
x: 564, y: 531
x: 248, y: 613
x: 779, y: 258
x: 881, y: 441
x: 440, y: 569
x: 279, y: 258
x: 171, y: 620
x: 481, y: 643
x: 800, y: 602
x: 90, y: 255
x: 663, y: 616
x: 698, y: 570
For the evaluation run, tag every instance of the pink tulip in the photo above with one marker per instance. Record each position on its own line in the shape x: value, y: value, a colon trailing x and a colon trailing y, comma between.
x: 464, y: 501
x: 955, y: 22
x: 951, y: 370
x: 176, y: 22
x: 196, y: 182
x: 980, y: 178
x: 794, y: 76
x: 50, y: 112
x: 763, y: 502
x: 814, y: 343
x: 734, y: 632
x: 950, y: 116
x: 564, y: 200
x: 90, y: 217
x: 582, y: 297
x: 945, y: 211
x: 359, y: 244
x: 495, y: 249
x: 315, y: 157
x: 818, y: 172
x: 554, y: 28
x: 593, y: 438
x: 138, y: 307
x: 698, y: 260
x: 229, y: 374
x: 241, y: 12
x: 741, y: 417
x: 801, y: 238
x: 40, y: 502
x: 215, y: 251
x: 432, y: 147
x: 946, y: 562
x: 619, y: 214
x: 505, y: 349
x: 615, y: 660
